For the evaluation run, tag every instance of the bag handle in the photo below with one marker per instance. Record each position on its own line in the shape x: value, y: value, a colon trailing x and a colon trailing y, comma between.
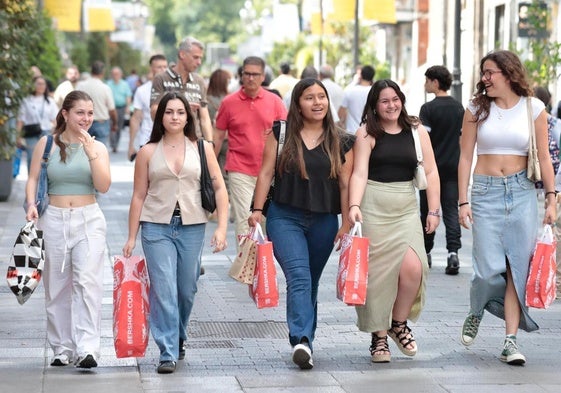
x: 531, y: 128
x: 547, y: 235
x: 418, y: 148
x: 258, y: 234
x: 356, y: 230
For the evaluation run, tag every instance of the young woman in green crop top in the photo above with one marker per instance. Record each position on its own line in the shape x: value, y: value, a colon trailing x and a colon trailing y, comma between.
x: 74, y: 233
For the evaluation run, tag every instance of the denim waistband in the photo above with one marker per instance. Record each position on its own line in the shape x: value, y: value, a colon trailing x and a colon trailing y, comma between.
x: 491, y: 180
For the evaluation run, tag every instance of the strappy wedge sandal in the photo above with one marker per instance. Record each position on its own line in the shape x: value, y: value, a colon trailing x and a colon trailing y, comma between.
x: 401, y: 334
x: 379, y: 349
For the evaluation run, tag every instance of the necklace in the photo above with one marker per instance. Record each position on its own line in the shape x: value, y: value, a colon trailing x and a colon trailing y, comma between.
x: 169, y: 144
x: 499, y: 113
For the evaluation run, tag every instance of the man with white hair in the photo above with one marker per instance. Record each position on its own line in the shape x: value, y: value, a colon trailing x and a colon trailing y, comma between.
x: 181, y: 77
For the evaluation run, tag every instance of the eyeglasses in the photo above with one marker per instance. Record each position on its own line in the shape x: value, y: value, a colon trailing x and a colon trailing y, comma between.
x: 251, y: 74
x: 487, y: 74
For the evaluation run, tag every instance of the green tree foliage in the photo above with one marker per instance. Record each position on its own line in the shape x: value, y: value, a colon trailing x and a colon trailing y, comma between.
x: 123, y: 55
x: 46, y: 54
x: 22, y: 31
x: 545, y: 55
x: 210, y: 21
x: 162, y: 17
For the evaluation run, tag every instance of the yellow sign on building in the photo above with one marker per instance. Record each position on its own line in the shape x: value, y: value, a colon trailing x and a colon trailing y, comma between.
x: 99, y: 19
x: 66, y: 14
x: 382, y: 11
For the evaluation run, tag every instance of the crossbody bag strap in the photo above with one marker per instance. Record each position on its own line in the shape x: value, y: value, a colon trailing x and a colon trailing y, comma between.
x: 418, y: 148
x: 48, y: 146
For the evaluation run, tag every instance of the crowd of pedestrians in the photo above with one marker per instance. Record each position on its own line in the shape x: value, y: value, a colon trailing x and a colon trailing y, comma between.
x: 348, y: 156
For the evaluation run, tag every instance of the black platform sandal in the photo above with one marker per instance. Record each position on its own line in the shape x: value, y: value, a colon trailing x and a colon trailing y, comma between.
x: 401, y: 334
x: 379, y: 350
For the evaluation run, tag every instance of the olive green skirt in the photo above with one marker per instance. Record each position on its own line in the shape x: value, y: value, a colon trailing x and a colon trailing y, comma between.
x: 390, y: 214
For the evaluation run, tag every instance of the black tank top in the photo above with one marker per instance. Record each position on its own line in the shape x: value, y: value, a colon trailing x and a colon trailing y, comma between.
x: 393, y: 158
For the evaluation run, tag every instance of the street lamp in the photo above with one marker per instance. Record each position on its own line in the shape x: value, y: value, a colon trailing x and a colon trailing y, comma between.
x: 457, y: 72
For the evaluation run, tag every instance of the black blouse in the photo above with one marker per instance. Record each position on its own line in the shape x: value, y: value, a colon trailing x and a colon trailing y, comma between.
x: 318, y: 193
x: 393, y: 158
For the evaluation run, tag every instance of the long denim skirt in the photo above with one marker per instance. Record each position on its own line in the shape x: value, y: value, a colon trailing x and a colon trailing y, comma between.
x: 505, y: 224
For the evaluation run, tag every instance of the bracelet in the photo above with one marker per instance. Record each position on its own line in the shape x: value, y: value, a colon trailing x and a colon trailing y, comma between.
x: 212, y: 142
x: 463, y: 204
x: 95, y: 158
x: 550, y: 192
x: 256, y: 210
x: 354, y: 206
x: 435, y: 213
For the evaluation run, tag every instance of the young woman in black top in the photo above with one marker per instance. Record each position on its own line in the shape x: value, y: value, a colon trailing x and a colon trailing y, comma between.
x: 311, y: 189
x: 383, y: 198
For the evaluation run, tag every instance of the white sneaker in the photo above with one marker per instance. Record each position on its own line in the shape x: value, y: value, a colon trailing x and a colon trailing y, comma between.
x: 86, y: 361
x: 61, y: 359
x: 302, y: 356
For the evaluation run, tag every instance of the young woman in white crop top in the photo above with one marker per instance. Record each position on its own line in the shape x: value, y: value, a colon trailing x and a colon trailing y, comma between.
x: 74, y: 232
x: 503, y: 207
x: 166, y: 203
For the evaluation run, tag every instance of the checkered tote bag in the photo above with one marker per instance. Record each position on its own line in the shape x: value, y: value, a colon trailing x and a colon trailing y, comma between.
x: 26, y: 264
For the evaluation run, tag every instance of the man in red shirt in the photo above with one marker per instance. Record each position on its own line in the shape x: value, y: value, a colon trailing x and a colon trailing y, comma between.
x: 247, y: 115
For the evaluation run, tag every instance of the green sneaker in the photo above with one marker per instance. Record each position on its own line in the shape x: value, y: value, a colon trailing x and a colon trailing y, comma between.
x: 511, y: 354
x: 470, y: 328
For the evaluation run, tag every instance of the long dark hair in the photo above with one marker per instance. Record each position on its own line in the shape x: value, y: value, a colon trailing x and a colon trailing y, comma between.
x: 158, y: 129
x: 511, y: 67
x: 292, y: 155
x: 370, y: 117
x: 46, y: 92
x: 68, y: 103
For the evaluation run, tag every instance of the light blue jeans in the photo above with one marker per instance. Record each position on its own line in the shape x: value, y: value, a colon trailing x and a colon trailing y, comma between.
x: 302, y: 244
x: 30, y: 143
x: 173, y: 256
x: 100, y: 129
x: 505, y: 225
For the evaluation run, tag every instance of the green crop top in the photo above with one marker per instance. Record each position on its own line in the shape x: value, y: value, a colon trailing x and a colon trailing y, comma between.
x: 73, y: 177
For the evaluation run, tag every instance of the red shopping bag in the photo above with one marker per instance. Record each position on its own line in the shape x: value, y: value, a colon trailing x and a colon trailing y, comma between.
x: 130, y: 306
x: 264, y: 290
x: 352, y: 276
x: 540, y: 287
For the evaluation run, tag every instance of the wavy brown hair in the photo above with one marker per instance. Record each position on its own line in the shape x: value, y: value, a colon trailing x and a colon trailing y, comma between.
x: 370, y: 117
x: 513, y: 70
x: 68, y: 103
x: 292, y: 155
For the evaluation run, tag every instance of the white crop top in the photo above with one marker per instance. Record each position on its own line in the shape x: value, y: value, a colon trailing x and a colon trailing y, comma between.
x: 506, y: 131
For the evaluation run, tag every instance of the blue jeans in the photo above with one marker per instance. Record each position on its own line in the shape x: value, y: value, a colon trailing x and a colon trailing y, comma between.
x: 173, y: 256
x: 302, y: 244
x: 100, y: 129
x: 30, y: 143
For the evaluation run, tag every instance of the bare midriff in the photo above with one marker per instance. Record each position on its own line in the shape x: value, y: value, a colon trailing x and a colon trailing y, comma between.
x: 68, y: 201
x: 499, y: 164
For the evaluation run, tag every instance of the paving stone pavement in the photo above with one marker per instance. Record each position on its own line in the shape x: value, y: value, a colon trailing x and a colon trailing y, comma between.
x: 234, y: 347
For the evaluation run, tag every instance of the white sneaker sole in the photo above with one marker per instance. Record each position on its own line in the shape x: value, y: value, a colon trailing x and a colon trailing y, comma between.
x: 516, y: 360
x: 302, y: 356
